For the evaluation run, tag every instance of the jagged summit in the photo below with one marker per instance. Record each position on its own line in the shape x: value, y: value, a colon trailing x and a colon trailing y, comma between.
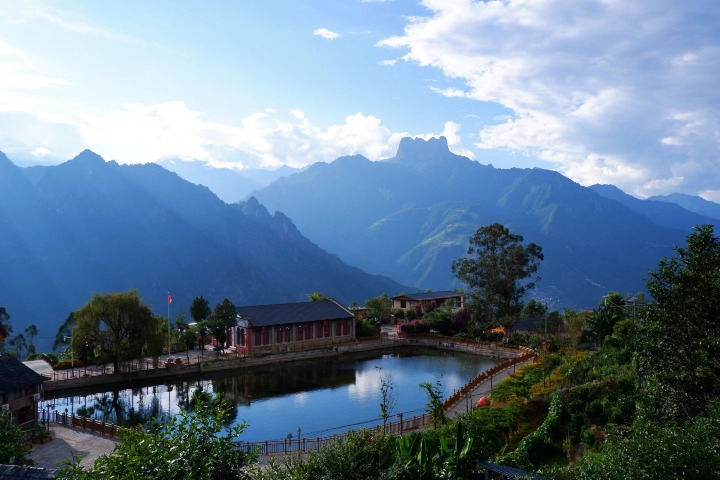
x: 414, y: 149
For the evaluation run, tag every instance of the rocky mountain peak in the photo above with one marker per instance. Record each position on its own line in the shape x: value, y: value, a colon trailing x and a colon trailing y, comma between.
x: 414, y: 149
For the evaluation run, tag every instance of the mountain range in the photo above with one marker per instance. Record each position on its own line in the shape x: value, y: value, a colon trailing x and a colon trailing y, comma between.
x: 89, y: 226
x: 410, y: 216
x: 230, y: 185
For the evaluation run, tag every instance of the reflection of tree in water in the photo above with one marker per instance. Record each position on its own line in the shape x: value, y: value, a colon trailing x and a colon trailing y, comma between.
x: 214, y: 400
x: 272, y: 381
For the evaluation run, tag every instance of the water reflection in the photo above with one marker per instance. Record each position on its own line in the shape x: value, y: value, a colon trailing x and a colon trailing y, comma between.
x: 322, y: 397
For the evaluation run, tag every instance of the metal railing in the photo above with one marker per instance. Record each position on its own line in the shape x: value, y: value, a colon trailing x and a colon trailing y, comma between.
x: 69, y: 420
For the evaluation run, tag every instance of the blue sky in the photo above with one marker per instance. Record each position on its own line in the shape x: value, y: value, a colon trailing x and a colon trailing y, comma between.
x: 603, y: 91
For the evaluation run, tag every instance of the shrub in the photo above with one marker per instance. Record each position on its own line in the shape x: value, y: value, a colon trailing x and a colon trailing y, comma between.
x: 363, y: 328
x: 361, y: 454
x: 65, y: 364
x: 415, y: 326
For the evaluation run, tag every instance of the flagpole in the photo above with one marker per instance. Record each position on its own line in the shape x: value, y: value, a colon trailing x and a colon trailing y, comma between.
x: 168, y: 317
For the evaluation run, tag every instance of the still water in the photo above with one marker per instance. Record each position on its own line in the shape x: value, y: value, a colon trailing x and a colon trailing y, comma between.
x: 320, y: 397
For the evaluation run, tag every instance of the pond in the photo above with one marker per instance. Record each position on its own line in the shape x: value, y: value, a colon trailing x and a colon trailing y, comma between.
x: 320, y: 397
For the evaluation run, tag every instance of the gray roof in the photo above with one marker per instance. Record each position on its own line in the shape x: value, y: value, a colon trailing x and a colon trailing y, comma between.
x: 23, y: 472
x: 14, y: 375
x: 429, y: 295
x: 287, y: 313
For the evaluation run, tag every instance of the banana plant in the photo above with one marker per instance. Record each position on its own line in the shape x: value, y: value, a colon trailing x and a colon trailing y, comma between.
x: 424, y: 460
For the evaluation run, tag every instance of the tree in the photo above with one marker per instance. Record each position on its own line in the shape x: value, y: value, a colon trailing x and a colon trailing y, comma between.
x: 388, y: 398
x: 379, y: 308
x: 32, y: 332
x: 200, y: 309
x: 435, y: 407
x: 202, y: 329
x: 5, y: 319
x: 534, y: 309
x: 317, y: 297
x: 499, y: 271
x: 188, y: 340
x: 192, y: 445
x: 603, y: 320
x: 223, y: 317
x: 679, y: 335
x: 5, y: 322
x: 65, y: 330
x: 440, y: 319
x: 20, y: 344
x: 13, y: 441
x: 118, y: 325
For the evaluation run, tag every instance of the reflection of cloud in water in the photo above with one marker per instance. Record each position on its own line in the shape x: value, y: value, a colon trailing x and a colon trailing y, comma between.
x: 367, y: 385
x: 300, y: 399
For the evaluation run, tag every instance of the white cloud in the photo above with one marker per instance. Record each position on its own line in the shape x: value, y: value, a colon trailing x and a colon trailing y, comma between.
x: 326, y: 34
x: 387, y: 63
x: 268, y: 139
x: 452, y: 133
x: 40, y: 152
x: 611, y: 92
x: 18, y: 71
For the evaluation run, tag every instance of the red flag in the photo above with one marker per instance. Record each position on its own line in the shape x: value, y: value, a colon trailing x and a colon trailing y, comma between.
x: 169, y: 298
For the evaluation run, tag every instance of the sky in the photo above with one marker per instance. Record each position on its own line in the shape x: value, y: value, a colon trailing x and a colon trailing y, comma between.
x: 603, y: 91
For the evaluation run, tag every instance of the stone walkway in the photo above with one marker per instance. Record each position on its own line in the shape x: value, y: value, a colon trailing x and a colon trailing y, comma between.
x: 67, y: 443
x: 482, y: 390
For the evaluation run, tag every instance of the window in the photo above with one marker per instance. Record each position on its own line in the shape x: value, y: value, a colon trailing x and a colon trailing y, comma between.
x: 283, y: 334
x: 262, y: 336
x: 346, y: 327
x: 403, y: 303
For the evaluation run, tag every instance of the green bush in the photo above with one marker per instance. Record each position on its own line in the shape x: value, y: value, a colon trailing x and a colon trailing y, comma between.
x: 65, y: 364
x: 363, y: 328
x: 360, y: 455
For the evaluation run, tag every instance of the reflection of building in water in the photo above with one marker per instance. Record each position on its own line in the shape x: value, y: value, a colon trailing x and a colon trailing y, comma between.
x: 282, y: 380
x: 290, y: 327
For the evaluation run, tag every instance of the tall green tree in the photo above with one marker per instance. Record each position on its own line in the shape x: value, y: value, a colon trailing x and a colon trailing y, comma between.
x: 5, y: 322
x: 678, y: 353
x: 604, y: 318
x: 223, y: 318
x: 499, y: 270
x: 32, y: 331
x: 200, y: 309
x: 379, y: 308
x: 64, y: 330
x: 19, y: 343
x: 118, y: 326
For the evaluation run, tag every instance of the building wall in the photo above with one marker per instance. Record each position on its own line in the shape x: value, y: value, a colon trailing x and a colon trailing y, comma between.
x: 292, y: 337
x: 23, y: 407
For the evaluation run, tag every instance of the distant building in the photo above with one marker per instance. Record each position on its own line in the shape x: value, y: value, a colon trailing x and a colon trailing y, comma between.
x: 289, y: 327
x: 427, y: 301
x: 20, y: 389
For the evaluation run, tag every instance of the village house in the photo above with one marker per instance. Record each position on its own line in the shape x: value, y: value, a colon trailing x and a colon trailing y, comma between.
x: 289, y: 327
x: 20, y: 389
x: 427, y: 301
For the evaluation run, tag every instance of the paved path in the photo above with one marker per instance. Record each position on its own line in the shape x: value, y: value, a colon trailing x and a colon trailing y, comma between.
x: 68, y: 442
x: 483, y: 389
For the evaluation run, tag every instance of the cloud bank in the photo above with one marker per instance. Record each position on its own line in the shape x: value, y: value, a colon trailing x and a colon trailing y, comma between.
x: 609, y: 91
